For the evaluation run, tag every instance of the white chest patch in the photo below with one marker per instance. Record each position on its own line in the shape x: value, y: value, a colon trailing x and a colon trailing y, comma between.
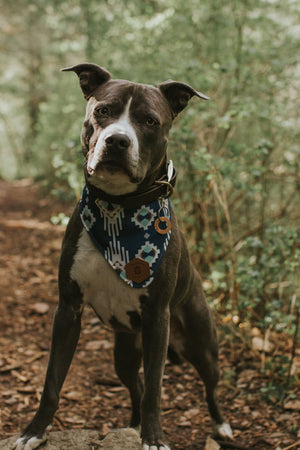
x: 101, y: 287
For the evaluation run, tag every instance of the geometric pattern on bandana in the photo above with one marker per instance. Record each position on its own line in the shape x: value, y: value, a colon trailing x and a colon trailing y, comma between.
x: 123, y: 234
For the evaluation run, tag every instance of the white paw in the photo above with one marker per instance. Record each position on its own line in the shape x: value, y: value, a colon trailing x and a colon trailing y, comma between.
x: 223, y: 431
x: 155, y: 447
x: 23, y: 444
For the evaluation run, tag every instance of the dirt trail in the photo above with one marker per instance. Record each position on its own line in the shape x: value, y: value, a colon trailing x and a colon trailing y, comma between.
x: 92, y: 396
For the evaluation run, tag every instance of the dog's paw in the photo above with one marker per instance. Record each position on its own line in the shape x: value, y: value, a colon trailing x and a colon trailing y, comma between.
x: 28, y: 443
x: 223, y: 431
x: 156, y: 447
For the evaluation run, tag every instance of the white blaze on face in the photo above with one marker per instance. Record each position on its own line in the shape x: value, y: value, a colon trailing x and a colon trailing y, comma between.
x: 123, y: 126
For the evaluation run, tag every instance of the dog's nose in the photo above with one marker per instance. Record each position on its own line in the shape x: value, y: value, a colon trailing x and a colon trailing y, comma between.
x: 118, y: 141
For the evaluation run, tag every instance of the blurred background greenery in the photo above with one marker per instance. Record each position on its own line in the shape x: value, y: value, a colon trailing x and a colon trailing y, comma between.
x: 237, y: 155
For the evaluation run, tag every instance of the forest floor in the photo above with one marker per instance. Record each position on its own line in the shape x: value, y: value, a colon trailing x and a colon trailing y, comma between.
x: 263, y: 412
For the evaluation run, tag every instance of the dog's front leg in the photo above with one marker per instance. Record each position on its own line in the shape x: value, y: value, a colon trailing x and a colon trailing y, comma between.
x: 155, y: 326
x: 66, y: 331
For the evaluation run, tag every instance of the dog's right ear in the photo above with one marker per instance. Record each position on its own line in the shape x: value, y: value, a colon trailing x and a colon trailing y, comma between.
x: 90, y: 76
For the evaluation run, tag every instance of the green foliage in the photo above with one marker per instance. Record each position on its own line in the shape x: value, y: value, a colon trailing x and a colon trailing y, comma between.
x: 273, y: 392
x: 60, y: 219
x: 237, y: 155
x: 267, y: 272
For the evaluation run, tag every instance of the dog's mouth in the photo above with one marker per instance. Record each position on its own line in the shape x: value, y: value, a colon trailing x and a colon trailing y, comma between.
x: 108, y: 164
x: 111, y: 168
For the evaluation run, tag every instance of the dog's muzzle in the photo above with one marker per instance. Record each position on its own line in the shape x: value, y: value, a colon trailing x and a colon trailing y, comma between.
x: 114, y: 156
x: 117, y: 142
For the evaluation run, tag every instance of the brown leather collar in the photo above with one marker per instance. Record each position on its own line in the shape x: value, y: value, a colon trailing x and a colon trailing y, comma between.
x: 160, y: 188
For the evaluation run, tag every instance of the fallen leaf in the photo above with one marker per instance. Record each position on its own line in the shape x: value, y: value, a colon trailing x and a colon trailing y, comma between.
x: 40, y: 308
x: 106, y: 428
x: 117, y: 389
x: 19, y: 376
x: 187, y: 423
x: 211, y: 444
x: 100, y: 344
x: 75, y: 421
x: 255, y: 332
x: 261, y: 344
x: 73, y: 395
x: 292, y: 404
x: 27, y: 390
x: 192, y: 413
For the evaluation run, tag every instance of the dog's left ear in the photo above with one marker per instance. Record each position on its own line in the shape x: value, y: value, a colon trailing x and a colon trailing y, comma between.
x: 90, y: 76
x: 178, y: 95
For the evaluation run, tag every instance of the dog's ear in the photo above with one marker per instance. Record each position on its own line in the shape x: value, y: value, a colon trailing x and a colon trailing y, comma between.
x: 90, y: 76
x: 178, y: 95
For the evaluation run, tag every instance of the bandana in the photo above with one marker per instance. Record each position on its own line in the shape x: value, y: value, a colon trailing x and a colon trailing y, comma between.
x: 133, y: 241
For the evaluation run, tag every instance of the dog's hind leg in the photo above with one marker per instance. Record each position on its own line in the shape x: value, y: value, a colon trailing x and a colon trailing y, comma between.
x: 128, y: 358
x: 200, y: 347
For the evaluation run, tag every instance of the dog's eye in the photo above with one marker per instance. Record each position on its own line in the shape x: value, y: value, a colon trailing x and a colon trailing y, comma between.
x: 151, y: 122
x: 102, y: 111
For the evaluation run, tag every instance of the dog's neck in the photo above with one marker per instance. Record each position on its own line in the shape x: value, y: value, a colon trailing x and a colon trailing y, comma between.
x: 160, y: 186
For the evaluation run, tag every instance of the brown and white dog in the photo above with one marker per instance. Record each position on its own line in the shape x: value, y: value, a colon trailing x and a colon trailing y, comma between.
x: 124, y: 138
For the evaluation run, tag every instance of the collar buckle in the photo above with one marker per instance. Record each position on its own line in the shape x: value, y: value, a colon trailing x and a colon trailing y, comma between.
x: 170, y: 187
x: 169, y: 190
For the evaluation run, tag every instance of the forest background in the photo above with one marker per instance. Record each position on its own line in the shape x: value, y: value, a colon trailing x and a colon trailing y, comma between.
x: 237, y: 156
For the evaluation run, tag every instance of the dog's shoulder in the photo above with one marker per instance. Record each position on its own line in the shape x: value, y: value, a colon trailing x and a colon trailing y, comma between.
x: 74, y: 228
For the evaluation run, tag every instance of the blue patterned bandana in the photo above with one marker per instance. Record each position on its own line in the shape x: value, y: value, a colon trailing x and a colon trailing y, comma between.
x: 133, y: 241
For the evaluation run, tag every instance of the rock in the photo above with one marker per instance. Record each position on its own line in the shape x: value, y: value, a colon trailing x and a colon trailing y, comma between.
x: 86, y: 440
x: 123, y: 438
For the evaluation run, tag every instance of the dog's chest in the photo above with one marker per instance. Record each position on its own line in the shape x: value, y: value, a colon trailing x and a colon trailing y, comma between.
x: 113, y: 301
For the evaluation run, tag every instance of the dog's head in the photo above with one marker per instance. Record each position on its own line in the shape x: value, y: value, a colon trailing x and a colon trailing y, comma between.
x: 125, y: 131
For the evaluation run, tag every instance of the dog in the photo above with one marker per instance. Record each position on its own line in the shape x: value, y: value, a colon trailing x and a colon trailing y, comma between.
x: 124, y: 254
